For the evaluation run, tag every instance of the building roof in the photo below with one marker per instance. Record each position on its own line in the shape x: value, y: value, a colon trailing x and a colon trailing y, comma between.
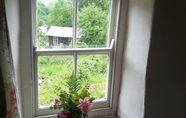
x: 60, y: 32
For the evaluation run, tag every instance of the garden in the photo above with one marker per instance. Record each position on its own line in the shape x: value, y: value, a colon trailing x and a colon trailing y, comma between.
x: 54, y: 71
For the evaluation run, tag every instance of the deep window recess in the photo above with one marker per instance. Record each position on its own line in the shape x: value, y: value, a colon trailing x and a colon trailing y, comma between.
x: 73, y: 36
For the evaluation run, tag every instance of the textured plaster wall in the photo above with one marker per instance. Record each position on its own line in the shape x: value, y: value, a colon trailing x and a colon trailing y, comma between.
x: 13, y: 18
x: 166, y: 70
x: 132, y: 93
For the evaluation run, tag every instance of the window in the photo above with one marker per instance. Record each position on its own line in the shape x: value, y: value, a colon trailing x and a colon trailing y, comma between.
x: 55, y: 41
x: 81, y: 38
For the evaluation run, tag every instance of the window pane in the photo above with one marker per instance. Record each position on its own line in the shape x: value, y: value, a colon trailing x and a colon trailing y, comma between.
x: 52, y: 71
x: 93, y: 67
x: 54, y: 19
x: 92, y: 23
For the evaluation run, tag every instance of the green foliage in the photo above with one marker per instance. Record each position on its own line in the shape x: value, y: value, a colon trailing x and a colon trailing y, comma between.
x: 55, y: 71
x: 103, y: 4
x: 42, y: 11
x: 42, y: 41
x: 69, y: 98
x: 81, y: 44
x: 61, y: 13
x: 92, y: 21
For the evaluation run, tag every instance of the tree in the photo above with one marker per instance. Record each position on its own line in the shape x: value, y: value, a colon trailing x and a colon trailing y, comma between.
x: 92, y: 22
x: 42, y: 13
x: 103, y: 4
x: 61, y: 13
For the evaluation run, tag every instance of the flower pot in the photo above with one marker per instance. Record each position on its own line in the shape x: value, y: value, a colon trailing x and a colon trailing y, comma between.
x: 84, y: 115
x: 73, y: 115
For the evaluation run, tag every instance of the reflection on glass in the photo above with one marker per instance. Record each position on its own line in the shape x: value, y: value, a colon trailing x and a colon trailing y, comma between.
x: 52, y: 71
x: 93, y: 68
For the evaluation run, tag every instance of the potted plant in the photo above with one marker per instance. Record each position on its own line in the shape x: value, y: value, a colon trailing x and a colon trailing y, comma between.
x: 75, y: 101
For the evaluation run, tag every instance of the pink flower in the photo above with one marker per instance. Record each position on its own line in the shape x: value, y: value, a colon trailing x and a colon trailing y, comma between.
x: 85, y: 105
x: 56, y: 102
x: 67, y: 113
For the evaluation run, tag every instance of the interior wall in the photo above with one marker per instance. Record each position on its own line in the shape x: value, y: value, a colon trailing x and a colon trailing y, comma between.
x: 13, y: 19
x: 26, y: 59
x: 166, y: 70
x: 132, y: 93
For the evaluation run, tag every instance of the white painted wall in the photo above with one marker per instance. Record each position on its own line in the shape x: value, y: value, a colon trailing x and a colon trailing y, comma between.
x: 26, y: 59
x: 13, y: 18
x: 132, y: 93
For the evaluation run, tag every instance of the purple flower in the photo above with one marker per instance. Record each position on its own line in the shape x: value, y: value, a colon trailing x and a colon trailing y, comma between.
x: 61, y: 116
x: 67, y: 113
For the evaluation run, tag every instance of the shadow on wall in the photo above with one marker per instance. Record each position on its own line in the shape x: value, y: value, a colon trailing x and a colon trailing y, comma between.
x: 2, y: 97
x: 166, y: 78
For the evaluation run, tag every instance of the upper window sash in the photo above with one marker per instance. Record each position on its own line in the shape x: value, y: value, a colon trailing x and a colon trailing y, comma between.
x: 73, y: 50
x: 111, y: 29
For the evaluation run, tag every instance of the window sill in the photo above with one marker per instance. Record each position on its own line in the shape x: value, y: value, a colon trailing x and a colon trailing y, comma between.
x: 109, y: 116
x: 105, y: 116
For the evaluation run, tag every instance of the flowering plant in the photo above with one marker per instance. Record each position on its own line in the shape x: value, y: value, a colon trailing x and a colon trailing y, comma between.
x: 74, y: 100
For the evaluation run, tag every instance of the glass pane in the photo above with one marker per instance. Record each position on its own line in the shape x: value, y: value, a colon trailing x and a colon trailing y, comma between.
x: 92, y: 68
x: 54, y: 24
x: 52, y: 71
x: 92, y: 23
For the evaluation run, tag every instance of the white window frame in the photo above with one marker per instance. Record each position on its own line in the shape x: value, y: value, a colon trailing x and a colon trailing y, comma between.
x: 27, y: 36
x: 98, y: 104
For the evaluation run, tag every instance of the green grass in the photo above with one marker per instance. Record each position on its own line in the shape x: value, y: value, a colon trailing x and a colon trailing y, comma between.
x: 55, y: 70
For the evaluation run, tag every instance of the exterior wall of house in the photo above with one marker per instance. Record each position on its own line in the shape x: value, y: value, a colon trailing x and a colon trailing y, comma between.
x: 63, y: 40
x: 50, y: 39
